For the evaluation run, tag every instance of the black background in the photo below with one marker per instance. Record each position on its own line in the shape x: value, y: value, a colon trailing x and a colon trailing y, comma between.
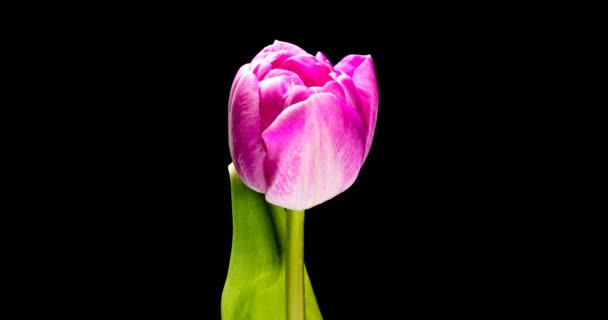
x: 433, y: 225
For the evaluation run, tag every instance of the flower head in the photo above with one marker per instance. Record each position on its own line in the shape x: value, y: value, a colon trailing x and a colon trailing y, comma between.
x: 299, y: 128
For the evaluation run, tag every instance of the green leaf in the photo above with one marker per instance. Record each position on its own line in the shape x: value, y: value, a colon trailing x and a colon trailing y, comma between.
x: 255, y: 285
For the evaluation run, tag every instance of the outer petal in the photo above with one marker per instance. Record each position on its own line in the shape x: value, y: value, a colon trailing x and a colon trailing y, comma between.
x: 315, y: 151
x: 244, y: 130
x: 361, y: 70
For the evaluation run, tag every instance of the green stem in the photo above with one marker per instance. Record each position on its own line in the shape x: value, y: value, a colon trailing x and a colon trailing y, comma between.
x: 294, y: 275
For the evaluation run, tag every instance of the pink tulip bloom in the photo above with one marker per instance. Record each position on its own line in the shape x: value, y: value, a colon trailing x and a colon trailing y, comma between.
x: 299, y: 129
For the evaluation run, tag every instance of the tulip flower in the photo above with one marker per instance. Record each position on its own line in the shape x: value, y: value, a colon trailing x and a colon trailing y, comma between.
x: 299, y: 131
x: 299, y: 128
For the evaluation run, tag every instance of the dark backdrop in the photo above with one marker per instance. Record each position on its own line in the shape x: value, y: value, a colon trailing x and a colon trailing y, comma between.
x: 430, y: 226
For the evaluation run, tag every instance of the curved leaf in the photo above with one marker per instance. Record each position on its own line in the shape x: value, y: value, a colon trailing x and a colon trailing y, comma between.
x: 255, y: 284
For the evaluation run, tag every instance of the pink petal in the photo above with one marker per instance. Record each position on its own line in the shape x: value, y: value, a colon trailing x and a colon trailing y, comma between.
x: 261, y: 67
x: 310, y: 70
x: 299, y: 93
x: 335, y: 88
x: 361, y: 70
x: 239, y: 74
x: 282, y: 46
x: 315, y: 151
x: 365, y: 81
x: 280, y: 72
x: 244, y: 140
x: 350, y: 93
x: 272, y: 56
x: 266, y: 61
x: 273, y: 99
x: 349, y: 63
x: 322, y: 58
